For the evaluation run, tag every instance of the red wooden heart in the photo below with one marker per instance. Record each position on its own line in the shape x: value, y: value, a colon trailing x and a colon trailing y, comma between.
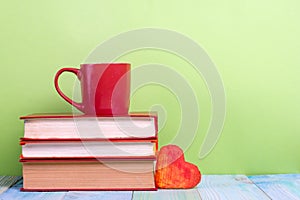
x: 173, y: 172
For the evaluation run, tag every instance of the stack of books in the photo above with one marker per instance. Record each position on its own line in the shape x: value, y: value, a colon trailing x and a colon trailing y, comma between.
x: 66, y: 152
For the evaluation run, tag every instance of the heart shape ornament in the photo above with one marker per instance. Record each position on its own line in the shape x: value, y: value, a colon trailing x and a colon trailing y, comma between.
x: 173, y: 172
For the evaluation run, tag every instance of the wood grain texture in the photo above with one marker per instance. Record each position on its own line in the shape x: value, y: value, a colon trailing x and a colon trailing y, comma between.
x: 14, y: 193
x: 7, y: 181
x: 212, y: 187
x: 167, y: 195
x: 90, y: 195
x: 228, y: 187
x: 279, y: 187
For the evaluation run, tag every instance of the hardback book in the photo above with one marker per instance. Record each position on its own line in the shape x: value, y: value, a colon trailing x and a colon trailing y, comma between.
x: 88, y: 148
x: 69, y: 126
x: 88, y: 174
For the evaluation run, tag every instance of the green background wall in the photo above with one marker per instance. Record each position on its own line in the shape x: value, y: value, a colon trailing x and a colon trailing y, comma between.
x: 254, y: 44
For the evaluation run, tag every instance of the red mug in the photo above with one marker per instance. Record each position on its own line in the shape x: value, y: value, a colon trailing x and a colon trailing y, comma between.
x: 105, y: 88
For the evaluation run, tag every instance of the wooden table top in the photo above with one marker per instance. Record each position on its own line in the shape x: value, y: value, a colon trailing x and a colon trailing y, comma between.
x: 212, y: 187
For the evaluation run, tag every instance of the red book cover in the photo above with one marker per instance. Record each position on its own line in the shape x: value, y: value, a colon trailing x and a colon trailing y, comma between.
x: 90, y: 189
x: 71, y: 115
x: 68, y: 140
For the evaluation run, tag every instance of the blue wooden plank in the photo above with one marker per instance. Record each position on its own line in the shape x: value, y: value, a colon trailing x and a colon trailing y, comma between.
x: 103, y: 195
x: 167, y: 194
x: 228, y: 187
x: 14, y: 193
x: 281, y: 186
x: 7, y: 181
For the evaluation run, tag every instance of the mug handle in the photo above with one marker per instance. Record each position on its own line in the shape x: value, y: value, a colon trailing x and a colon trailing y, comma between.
x: 77, y: 105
